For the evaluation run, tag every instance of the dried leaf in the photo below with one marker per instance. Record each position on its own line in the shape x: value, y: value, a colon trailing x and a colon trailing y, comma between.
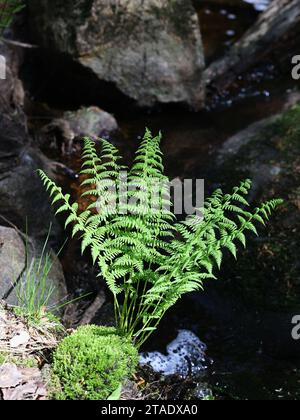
x: 10, y: 376
x: 22, y: 384
x: 21, y: 339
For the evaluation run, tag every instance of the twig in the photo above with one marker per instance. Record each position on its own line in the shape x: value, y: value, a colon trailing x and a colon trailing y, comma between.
x: 91, y: 311
x: 19, y: 44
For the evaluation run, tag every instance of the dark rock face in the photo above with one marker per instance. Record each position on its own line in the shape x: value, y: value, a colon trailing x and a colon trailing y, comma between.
x: 22, y: 194
x: 152, y: 51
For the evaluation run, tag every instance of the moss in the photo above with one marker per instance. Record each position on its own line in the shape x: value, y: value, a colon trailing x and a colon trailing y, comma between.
x: 27, y: 362
x: 91, y: 363
x: 269, y: 270
x: 288, y: 126
x: 3, y: 358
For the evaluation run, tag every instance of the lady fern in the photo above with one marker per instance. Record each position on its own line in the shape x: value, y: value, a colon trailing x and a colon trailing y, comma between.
x: 147, y: 259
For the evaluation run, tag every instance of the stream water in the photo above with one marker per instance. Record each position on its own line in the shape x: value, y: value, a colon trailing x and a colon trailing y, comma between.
x: 242, y: 367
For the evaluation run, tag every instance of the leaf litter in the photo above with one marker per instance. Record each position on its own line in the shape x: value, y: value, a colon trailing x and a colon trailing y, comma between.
x: 20, y: 342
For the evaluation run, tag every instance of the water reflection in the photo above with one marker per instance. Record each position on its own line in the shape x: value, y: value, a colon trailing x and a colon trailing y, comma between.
x: 259, y: 5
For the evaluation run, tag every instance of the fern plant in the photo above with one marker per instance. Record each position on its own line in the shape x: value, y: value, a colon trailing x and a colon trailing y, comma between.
x: 8, y: 8
x: 147, y: 258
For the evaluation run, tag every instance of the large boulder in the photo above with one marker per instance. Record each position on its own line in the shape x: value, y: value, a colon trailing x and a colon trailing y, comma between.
x: 152, y: 51
x: 19, y: 262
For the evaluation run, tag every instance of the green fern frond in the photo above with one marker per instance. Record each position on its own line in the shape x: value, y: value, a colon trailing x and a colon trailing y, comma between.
x: 147, y: 259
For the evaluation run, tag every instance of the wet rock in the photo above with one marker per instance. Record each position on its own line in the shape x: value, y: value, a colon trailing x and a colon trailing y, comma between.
x: 202, y: 391
x: 152, y: 51
x: 15, y: 271
x: 185, y: 356
x: 277, y: 27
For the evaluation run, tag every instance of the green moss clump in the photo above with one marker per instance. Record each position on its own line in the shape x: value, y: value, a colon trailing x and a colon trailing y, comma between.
x: 91, y: 363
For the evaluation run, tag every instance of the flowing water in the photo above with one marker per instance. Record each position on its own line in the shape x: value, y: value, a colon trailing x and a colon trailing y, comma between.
x: 259, y: 5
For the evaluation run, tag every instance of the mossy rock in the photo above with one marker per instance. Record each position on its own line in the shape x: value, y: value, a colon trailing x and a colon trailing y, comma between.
x: 268, y: 272
x: 91, y: 364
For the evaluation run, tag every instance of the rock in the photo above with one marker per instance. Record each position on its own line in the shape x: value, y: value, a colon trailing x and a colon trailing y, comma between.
x: 276, y: 28
x: 12, y: 258
x: 268, y: 153
x: 11, y: 88
x: 14, y: 270
x: 185, y: 356
x: 92, y: 121
x: 202, y: 391
x: 23, y: 199
x: 152, y: 51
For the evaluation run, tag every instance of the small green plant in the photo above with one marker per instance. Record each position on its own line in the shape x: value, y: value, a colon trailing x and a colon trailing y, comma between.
x: 23, y: 362
x: 8, y: 8
x: 34, y: 290
x: 3, y: 358
x: 91, y: 364
x: 147, y: 258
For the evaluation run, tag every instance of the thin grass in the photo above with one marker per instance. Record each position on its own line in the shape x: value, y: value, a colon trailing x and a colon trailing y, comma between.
x: 35, y: 293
